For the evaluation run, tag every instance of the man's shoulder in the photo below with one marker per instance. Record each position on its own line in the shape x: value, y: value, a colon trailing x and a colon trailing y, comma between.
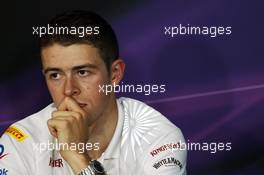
x: 147, y: 128
x: 148, y: 137
x: 21, y: 142
x: 138, y: 113
x: 33, y: 126
x: 36, y: 120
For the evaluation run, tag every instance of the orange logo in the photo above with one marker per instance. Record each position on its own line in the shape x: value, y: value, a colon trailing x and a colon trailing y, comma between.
x: 16, y: 133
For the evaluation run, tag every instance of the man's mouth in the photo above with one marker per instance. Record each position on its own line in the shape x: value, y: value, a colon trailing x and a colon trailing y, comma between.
x: 82, y: 105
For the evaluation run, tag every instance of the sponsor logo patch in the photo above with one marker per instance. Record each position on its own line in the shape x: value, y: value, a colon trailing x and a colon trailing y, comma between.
x: 169, y: 146
x: 56, y: 163
x: 16, y: 133
x: 2, y: 151
x: 168, y: 162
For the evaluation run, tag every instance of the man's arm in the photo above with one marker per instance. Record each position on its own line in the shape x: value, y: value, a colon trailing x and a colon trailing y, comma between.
x: 69, y: 125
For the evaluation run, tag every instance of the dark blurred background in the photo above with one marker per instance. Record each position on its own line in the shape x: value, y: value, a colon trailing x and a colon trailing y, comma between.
x: 214, y: 86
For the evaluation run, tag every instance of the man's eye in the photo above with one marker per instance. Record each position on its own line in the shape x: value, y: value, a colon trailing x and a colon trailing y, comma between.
x: 55, y: 76
x: 83, y: 73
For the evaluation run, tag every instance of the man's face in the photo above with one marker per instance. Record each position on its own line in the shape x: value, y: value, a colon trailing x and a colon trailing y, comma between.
x: 76, y: 71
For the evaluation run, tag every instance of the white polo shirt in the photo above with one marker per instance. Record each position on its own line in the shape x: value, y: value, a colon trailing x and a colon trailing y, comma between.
x: 144, y: 143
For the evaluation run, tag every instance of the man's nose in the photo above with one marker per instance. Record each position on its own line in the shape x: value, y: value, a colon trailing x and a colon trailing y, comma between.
x: 71, y: 87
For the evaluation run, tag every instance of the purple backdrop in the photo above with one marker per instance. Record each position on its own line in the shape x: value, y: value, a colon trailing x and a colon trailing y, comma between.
x: 214, y: 86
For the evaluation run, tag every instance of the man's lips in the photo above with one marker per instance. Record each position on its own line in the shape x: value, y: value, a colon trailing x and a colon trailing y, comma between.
x: 82, y: 105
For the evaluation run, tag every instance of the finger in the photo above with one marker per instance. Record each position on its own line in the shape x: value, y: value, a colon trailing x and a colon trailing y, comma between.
x: 52, y: 130
x: 57, y: 124
x: 66, y: 114
x: 63, y: 123
x: 69, y: 104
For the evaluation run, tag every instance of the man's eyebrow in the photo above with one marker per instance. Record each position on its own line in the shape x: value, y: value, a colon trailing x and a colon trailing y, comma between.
x: 51, y: 69
x: 90, y: 66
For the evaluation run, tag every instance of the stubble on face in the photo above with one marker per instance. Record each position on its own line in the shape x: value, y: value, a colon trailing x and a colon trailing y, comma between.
x: 67, y: 61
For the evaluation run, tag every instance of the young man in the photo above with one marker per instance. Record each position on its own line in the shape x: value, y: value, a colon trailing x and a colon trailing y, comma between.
x: 85, y: 130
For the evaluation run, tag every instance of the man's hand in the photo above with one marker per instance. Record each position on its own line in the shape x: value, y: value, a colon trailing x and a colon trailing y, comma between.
x: 69, y: 124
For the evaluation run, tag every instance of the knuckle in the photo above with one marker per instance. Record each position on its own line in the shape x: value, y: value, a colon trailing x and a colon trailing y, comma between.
x: 71, y: 119
x: 78, y: 115
x: 49, y: 122
x: 64, y: 123
x: 82, y: 113
x: 67, y: 99
x: 53, y: 113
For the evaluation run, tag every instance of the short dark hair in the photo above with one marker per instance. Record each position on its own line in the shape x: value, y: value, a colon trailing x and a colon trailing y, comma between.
x: 105, y: 41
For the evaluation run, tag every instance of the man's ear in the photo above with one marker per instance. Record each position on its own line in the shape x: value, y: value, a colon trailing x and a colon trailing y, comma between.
x: 117, y: 71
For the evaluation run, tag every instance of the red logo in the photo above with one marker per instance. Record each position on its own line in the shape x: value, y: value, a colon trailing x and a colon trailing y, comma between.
x: 56, y: 163
x: 165, y: 147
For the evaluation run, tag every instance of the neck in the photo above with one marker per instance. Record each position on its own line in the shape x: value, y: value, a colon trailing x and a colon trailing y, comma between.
x: 103, y: 129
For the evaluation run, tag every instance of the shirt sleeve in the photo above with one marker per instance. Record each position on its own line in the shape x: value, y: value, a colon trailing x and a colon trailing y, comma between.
x: 15, y: 157
x: 167, y: 155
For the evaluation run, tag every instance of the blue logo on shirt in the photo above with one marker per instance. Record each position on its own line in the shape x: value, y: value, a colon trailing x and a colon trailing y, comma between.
x: 2, y: 150
x: 3, y: 171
